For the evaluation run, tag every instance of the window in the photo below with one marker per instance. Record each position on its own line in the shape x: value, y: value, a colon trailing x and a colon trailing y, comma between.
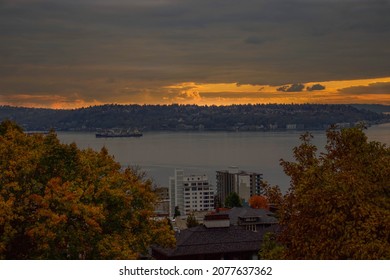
x: 251, y: 227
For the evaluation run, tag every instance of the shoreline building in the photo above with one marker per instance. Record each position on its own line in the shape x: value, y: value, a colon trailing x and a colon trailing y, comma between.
x: 244, y: 183
x: 190, y: 193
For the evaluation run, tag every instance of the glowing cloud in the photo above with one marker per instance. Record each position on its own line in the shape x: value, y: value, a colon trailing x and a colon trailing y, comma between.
x: 47, y: 101
x: 316, y: 92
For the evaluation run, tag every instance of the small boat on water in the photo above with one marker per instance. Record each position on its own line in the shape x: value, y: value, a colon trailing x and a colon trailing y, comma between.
x: 118, y: 133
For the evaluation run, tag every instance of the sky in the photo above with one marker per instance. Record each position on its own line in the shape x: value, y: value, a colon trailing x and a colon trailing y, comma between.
x: 78, y: 53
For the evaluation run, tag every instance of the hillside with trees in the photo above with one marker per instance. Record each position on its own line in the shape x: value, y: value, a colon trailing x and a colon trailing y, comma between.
x: 191, y: 117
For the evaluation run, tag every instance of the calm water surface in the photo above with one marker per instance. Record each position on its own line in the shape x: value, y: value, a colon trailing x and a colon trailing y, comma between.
x: 159, y: 153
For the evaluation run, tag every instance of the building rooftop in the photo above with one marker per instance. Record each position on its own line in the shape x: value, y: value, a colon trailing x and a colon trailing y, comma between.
x: 201, y: 241
x: 264, y: 216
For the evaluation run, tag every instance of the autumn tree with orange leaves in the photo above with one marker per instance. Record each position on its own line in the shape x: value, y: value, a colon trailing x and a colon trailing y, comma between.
x: 60, y: 202
x: 338, y: 205
x: 258, y: 202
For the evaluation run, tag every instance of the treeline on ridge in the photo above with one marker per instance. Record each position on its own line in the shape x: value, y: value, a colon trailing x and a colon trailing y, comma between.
x: 190, y: 117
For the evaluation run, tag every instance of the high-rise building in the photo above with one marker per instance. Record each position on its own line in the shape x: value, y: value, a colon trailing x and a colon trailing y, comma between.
x: 190, y: 193
x: 244, y: 183
x: 176, y: 191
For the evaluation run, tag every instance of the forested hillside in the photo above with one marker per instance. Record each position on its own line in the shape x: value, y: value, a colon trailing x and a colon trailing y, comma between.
x: 190, y: 117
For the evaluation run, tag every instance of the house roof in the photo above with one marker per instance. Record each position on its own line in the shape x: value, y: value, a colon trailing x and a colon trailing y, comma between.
x: 201, y: 240
x: 266, y: 217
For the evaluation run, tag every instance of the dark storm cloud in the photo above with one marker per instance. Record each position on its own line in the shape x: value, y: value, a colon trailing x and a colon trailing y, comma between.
x: 315, y: 87
x: 374, y: 88
x: 152, y: 43
x: 291, y: 88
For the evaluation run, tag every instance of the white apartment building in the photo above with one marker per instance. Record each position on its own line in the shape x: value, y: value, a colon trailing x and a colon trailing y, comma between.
x: 190, y: 193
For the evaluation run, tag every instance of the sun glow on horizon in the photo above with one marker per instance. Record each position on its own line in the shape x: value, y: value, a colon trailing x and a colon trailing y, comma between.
x: 371, y: 91
x: 313, y: 92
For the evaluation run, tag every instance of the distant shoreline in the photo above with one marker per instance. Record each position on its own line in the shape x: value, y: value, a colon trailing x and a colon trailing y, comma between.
x: 234, y: 118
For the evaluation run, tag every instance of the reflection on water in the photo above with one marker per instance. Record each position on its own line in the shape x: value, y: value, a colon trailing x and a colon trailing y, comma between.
x: 159, y: 153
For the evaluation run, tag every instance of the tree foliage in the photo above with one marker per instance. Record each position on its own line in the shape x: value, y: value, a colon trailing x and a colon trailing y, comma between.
x: 233, y: 200
x: 249, y: 117
x: 177, y: 212
x: 258, y: 202
x: 273, y: 195
x: 338, y: 205
x: 270, y: 248
x: 191, y: 221
x: 59, y: 202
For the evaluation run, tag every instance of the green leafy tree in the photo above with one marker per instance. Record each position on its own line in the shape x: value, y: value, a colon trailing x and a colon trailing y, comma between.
x: 338, y: 205
x: 233, y: 200
x: 177, y: 212
x: 59, y: 202
x: 270, y: 248
x: 191, y: 221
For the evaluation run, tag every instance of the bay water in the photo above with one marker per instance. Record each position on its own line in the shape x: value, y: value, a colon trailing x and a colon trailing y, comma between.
x: 159, y: 153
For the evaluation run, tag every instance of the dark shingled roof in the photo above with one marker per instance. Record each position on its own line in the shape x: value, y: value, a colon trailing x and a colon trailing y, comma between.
x: 266, y: 217
x: 201, y: 240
